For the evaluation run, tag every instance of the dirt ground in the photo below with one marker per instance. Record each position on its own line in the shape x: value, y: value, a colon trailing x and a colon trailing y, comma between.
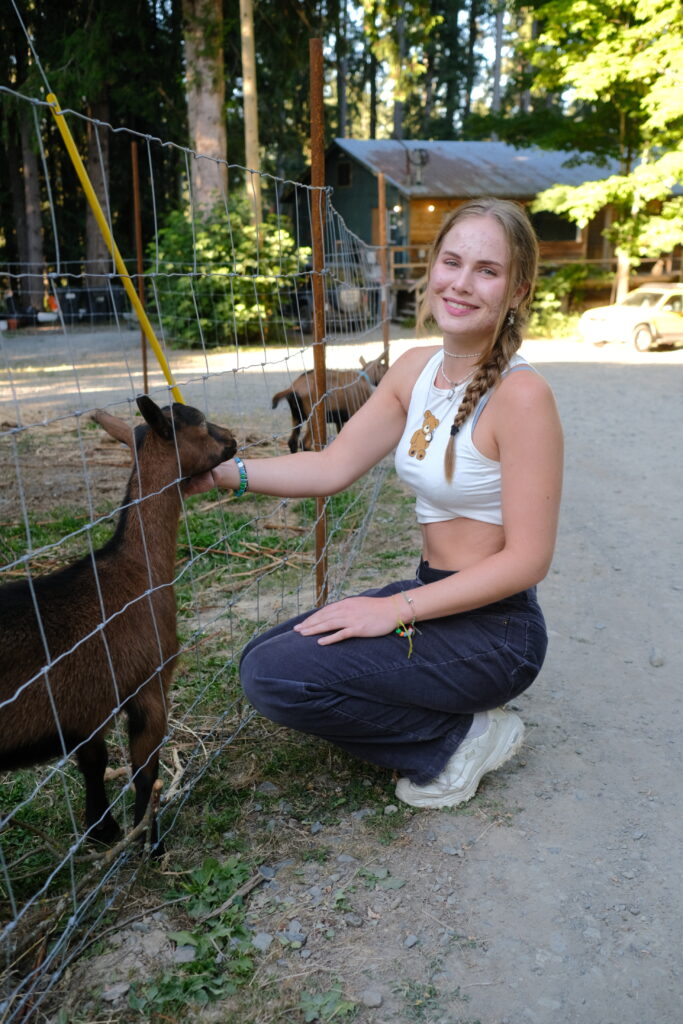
x: 566, y: 906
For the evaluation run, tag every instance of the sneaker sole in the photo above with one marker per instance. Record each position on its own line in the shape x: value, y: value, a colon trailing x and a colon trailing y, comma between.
x: 411, y: 795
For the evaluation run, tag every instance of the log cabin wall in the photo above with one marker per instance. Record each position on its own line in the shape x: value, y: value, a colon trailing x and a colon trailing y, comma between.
x: 427, y: 215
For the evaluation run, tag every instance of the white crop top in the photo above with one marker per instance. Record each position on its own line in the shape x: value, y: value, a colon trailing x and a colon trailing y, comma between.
x: 474, y: 492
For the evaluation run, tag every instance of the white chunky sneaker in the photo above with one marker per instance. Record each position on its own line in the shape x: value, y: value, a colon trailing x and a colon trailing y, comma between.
x: 473, y: 759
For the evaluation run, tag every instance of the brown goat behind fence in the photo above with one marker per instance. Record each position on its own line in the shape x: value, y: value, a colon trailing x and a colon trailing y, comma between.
x: 99, y: 636
x: 347, y: 390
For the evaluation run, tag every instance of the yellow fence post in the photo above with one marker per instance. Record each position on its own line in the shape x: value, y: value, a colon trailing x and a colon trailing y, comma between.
x: 111, y: 244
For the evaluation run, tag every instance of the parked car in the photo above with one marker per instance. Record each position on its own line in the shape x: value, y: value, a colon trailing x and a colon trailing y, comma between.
x: 649, y: 316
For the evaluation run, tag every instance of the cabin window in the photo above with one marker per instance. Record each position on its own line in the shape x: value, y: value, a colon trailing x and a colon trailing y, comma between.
x: 550, y: 227
x: 343, y: 174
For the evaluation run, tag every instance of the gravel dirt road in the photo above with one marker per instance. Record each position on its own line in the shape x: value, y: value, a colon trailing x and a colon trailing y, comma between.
x: 568, y: 906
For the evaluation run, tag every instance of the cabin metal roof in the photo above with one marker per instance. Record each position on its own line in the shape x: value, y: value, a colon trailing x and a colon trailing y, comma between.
x: 469, y: 169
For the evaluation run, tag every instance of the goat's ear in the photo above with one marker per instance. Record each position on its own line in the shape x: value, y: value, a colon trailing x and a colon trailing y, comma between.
x: 362, y: 362
x: 115, y: 427
x: 153, y: 415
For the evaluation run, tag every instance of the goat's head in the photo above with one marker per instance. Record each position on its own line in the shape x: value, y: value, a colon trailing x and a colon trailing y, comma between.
x: 376, y: 368
x: 196, y: 444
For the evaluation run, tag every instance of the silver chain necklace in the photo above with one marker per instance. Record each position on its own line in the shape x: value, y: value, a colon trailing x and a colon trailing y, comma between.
x: 455, y: 383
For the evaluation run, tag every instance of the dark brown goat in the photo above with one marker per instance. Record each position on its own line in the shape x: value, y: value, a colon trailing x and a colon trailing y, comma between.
x: 106, y: 640
x: 347, y: 390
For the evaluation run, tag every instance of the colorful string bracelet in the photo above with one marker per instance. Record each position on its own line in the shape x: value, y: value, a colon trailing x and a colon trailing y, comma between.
x: 407, y: 630
x: 244, y: 479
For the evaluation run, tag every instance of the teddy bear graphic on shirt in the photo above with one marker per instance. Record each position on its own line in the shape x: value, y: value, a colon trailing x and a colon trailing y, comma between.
x: 419, y: 442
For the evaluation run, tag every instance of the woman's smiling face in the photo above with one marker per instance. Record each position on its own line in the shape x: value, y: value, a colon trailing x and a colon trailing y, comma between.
x: 469, y: 281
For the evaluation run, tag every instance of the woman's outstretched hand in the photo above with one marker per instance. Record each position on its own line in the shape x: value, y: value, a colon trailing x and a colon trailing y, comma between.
x: 354, y: 616
x: 200, y: 484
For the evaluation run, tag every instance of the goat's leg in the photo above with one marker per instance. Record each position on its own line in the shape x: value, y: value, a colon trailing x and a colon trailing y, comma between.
x: 293, y: 442
x: 339, y: 417
x: 298, y: 417
x: 92, y: 760
x: 146, y: 729
x: 307, y: 443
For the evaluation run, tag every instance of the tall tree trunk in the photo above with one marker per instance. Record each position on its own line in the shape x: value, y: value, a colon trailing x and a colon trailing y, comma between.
x: 497, y: 61
x: 16, y: 183
x: 450, y: 66
x: 529, y: 27
x: 623, y: 274
x: 473, y: 30
x: 373, y: 96
x: 250, y: 102
x: 370, y: 27
x: 99, y: 262
x: 203, y: 25
x: 398, y: 101
x: 342, y: 70
x: 343, y: 115
x: 451, y: 105
x: 428, y: 92
x: 32, y: 282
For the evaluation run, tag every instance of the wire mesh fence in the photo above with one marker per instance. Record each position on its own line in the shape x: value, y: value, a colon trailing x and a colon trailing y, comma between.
x: 103, y: 564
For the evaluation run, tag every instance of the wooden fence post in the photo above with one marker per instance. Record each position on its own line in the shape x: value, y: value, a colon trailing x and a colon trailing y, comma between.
x: 317, y: 239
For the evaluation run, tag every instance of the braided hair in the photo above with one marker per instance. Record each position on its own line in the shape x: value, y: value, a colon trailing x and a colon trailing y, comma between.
x: 509, y: 332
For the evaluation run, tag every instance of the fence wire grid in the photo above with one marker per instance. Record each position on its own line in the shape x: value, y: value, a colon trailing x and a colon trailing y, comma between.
x: 232, y: 308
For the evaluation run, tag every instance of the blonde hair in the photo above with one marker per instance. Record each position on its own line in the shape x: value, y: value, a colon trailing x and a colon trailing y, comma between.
x: 523, y: 255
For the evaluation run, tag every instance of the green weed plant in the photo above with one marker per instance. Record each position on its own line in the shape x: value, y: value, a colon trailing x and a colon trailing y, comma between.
x: 218, y: 937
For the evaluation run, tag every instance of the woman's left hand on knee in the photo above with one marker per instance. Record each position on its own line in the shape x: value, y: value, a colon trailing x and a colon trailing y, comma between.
x: 354, y: 616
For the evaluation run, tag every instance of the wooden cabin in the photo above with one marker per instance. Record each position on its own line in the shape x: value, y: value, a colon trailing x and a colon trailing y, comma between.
x: 425, y: 180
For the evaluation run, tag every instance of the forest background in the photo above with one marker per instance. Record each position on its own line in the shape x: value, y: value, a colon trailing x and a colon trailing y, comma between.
x: 598, y: 78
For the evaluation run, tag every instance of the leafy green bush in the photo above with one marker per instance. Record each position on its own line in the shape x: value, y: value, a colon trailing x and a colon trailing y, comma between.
x: 557, y: 296
x: 547, y: 317
x: 214, y: 283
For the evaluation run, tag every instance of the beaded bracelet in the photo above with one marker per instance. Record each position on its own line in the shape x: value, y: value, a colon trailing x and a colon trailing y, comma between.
x: 410, y: 629
x: 244, y: 479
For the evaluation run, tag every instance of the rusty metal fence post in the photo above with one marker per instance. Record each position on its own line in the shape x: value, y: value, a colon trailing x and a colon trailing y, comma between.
x: 383, y: 261
x: 317, y: 240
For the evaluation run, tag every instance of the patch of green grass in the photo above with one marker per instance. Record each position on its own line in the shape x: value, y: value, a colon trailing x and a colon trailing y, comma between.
x: 208, y: 683
x: 206, y: 527
x: 329, y: 1004
x: 223, y: 953
x: 421, y: 999
x: 379, y: 877
x: 315, y: 783
x: 387, y: 827
x: 319, y: 854
x: 425, y: 1001
x: 293, y: 762
x: 346, y: 509
x: 55, y: 533
x: 219, y: 810
x: 386, y: 559
x: 37, y: 837
x: 230, y: 547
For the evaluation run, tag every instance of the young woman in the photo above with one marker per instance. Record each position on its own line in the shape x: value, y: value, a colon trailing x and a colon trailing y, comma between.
x: 412, y: 676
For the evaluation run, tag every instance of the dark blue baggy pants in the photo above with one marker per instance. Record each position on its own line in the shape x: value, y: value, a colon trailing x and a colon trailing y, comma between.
x: 368, y: 697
